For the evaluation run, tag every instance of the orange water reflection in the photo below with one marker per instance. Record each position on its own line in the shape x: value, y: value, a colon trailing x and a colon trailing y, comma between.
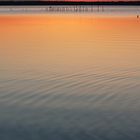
x: 66, y: 42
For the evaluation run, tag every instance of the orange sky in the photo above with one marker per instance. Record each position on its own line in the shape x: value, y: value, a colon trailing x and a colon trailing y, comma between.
x: 91, y: 0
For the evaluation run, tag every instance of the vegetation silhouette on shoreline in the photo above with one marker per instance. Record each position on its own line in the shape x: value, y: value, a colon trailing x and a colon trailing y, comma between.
x: 39, y: 3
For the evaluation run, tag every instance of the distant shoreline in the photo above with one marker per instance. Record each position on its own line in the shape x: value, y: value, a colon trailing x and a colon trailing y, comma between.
x: 43, y: 3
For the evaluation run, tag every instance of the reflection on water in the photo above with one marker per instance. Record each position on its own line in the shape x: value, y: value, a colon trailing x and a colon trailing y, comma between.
x: 65, y: 77
x: 111, y: 10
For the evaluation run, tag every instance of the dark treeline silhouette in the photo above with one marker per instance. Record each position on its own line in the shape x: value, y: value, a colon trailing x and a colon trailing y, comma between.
x: 29, y: 3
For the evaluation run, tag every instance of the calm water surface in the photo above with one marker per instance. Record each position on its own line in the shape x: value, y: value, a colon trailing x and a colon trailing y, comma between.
x: 69, y: 77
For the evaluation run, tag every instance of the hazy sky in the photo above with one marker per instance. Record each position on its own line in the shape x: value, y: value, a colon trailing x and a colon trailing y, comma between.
x: 70, y: 0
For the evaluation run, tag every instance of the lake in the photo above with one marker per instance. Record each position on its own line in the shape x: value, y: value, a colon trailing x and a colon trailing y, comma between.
x: 70, y: 76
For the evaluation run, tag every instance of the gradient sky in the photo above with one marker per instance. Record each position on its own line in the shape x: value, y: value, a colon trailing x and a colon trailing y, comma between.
x: 71, y: 0
x: 89, y: 0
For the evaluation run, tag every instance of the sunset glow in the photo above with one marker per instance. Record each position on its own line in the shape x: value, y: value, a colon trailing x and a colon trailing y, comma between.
x: 69, y: 70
